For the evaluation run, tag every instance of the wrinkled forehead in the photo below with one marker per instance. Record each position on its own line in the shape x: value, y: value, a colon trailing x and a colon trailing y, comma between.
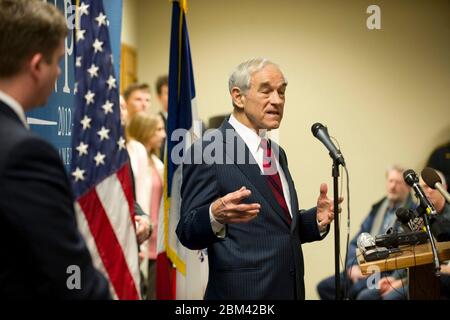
x: 269, y: 75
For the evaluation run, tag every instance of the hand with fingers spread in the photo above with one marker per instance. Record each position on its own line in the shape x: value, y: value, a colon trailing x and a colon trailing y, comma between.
x: 325, y: 207
x: 229, y: 209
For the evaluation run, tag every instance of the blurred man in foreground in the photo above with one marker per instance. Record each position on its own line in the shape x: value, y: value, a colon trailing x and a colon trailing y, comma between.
x: 39, y: 239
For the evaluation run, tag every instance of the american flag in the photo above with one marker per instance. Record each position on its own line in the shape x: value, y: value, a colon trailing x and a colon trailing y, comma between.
x: 100, y: 164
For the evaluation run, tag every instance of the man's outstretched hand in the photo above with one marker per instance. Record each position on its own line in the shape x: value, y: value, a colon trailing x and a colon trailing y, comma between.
x: 229, y: 209
x: 325, y: 207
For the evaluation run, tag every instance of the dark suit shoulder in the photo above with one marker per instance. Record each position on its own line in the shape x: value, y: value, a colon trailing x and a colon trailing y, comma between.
x: 26, y: 148
x: 17, y: 142
x: 11, y: 130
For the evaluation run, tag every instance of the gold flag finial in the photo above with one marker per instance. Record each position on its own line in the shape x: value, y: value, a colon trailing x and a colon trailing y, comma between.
x: 184, y: 6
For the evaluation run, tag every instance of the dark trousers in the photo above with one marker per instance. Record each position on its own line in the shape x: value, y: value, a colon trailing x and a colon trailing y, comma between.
x: 151, y: 280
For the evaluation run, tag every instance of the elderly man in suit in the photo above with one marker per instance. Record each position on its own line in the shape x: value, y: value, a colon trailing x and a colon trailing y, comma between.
x: 241, y: 203
x: 39, y: 239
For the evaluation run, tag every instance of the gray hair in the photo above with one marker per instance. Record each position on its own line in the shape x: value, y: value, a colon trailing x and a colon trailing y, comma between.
x: 241, y: 75
x: 395, y: 167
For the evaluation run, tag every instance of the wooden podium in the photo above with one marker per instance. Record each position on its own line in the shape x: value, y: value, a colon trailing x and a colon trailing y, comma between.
x: 423, y: 284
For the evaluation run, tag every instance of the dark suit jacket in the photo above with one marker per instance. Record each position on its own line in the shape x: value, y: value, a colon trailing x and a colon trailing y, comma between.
x: 39, y: 238
x: 261, y: 259
x: 440, y: 224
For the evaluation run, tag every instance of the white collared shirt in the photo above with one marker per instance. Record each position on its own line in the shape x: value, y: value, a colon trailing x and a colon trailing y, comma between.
x: 15, y: 106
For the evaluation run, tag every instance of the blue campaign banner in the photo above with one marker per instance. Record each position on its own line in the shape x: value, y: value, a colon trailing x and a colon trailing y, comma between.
x: 54, y: 121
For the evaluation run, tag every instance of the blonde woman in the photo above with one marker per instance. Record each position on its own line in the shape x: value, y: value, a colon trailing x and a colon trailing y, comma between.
x: 149, y: 130
x: 139, y: 166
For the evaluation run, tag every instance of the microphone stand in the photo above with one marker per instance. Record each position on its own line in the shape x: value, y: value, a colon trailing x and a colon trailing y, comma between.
x: 337, y: 277
x: 437, y: 265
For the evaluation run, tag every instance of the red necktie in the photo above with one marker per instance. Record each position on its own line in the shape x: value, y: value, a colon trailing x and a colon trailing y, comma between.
x: 273, y: 178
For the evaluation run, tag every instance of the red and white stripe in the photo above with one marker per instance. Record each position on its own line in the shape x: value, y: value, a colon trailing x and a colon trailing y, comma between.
x: 106, y: 220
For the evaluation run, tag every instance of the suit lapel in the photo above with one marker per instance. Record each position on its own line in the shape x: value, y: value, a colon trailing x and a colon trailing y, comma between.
x: 292, y: 192
x: 233, y: 144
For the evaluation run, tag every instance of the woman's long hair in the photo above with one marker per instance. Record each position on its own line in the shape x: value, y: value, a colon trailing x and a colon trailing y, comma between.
x: 141, y: 127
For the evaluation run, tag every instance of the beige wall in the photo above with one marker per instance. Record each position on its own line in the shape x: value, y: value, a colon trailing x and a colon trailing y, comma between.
x: 130, y: 23
x: 384, y: 94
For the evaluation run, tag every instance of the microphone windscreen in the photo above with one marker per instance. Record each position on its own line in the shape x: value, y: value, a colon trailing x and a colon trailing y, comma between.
x: 404, y: 215
x: 410, y: 177
x: 430, y: 176
x: 315, y: 128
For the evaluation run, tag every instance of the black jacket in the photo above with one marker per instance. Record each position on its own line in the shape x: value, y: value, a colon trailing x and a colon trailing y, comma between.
x: 39, y: 239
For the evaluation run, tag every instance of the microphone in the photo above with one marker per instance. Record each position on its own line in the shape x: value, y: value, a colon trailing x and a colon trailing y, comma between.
x: 412, y: 180
x: 432, y: 179
x: 409, y: 218
x: 367, y: 246
x: 404, y: 216
x: 394, y: 240
x: 440, y: 228
x: 365, y: 241
x: 321, y: 132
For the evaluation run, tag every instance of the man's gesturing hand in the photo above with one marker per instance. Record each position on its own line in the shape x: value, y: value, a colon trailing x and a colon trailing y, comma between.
x: 228, y: 208
x: 325, y: 207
